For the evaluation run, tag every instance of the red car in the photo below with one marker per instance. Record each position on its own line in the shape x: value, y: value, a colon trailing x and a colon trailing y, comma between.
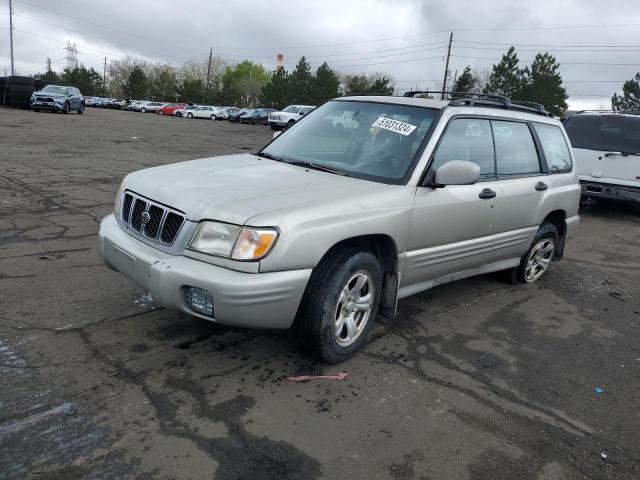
x: 170, y: 108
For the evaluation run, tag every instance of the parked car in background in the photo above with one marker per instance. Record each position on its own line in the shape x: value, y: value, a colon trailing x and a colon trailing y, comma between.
x: 433, y: 193
x: 204, y: 111
x: 58, y: 98
x: 131, y: 105
x: 137, y: 106
x: 116, y: 104
x: 257, y: 116
x: 234, y: 117
x: 606, y: 146
x: 169, y: 108
x: 182, y: 112
x: 288, y: 116
x: 151, y: 107
x: 90, y: 101
x: 103, y: 101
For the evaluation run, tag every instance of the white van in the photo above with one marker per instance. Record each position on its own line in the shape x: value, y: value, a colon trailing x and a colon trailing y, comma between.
x: 606, y: 147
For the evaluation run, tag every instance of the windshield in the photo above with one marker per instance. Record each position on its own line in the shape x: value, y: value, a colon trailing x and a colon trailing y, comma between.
x: 55, y: 89
x: 374, y: 141
x: 291, y: 109
x: 611, y: 133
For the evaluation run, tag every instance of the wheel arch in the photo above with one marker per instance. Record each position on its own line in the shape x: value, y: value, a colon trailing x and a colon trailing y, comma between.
x: 558, y: 219
x: 385, y: 250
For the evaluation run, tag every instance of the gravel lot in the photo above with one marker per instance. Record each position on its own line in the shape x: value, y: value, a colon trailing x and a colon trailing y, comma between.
x: 476, y: 379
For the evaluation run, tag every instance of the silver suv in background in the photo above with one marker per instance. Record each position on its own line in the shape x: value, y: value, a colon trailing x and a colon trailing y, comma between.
x: 325, y: 228
x: 58, y: 98
x: 607, y: 150
x: 288, y: 116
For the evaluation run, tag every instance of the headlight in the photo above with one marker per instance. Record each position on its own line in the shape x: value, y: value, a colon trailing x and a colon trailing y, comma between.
x: 232, y: 241
x: 118, y: 205
x: 215, y: 238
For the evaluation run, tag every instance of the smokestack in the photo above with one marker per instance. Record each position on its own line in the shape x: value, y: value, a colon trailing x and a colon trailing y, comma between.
x: 279, y: 61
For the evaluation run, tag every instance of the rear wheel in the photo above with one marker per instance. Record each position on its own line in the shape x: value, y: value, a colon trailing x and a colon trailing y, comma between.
x: 81, y: 109
x: 536, y: 261
x: 36, y: 109
x: 189, y: 115
x: 290, y: 123
x: 212, y: 117
x: 340, y: 304
x: 143, y: 110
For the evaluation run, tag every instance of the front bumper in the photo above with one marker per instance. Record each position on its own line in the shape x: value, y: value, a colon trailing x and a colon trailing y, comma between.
x: 46, y: 106
x: 277, y: 123
x: 610, y: 191
x: 255, y: 300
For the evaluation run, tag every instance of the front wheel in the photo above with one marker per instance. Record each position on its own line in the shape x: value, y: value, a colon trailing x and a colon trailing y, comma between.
x: 536, y: 261
x: 66, y: 108
x: 340, y: 304
x: 81, y: 109
x: 189, y: 115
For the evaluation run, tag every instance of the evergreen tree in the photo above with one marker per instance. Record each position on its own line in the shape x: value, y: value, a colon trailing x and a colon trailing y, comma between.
x: 50, y: 76
x: 630, y: 98
x: 275, y: 94
x: 325, y: 85
x: 507, y: 78
x: 373, y: 83
x: 191, y: 90
x: 543, y: 84
x: 300, y: 88
x: 87, y: 80
x: 466, y: 82
x: 136, y: 85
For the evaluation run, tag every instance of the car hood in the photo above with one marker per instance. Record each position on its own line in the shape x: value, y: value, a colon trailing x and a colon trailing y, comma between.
x: 49, y: 94
x: 235, y: 188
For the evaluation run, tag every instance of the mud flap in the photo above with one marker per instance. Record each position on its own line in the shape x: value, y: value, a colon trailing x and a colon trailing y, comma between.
x: 389, y: 297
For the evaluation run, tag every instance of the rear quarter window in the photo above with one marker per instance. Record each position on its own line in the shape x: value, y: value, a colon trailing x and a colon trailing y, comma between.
x: 555, y: 148
x: 611, y: 133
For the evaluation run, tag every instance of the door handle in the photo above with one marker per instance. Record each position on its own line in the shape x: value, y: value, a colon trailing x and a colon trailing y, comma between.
x: 540, y: 186
x: 487, y: 193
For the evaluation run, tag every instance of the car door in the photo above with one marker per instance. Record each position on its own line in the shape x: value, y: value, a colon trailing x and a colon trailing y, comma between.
x: 452, y: 225
x: 523, y: 184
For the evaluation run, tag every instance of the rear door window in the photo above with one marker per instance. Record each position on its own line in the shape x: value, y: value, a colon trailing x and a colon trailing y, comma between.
x: 555, y: 148
x: 516, y: 152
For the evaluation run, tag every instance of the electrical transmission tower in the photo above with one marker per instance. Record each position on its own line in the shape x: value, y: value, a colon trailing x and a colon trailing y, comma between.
x: 48, y: 64
x: 72, y: 56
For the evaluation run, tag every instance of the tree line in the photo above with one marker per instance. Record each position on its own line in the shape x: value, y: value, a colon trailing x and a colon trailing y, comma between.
x: 248, y: 84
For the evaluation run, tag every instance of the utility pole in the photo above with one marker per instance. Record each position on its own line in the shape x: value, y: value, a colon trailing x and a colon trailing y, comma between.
x: 446, y: 68
x: 48, y: 64
x: 104, y: 78
x: 13, y: 70
x: 206, y: 88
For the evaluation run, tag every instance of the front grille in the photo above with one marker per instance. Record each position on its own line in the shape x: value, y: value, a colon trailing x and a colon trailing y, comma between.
x: 44, y: 99
x: 151, y: 220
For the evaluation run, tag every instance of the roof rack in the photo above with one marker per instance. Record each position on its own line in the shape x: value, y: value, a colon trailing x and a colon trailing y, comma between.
x: 611, y: 112
x: 484, y: 100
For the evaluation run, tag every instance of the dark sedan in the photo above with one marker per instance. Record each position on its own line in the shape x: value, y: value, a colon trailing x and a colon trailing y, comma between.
x: 257, y: 116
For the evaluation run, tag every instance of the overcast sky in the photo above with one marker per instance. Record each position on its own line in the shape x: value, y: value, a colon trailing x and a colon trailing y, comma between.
x: 596, y: 42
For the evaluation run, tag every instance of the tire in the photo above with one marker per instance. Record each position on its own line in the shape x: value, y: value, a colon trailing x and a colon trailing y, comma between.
x: 189, y: 115
x: 66, y: 108
x: 212, y: 117
x: 159, y: 112
x: 323, y: 321
x: 81, y: 109
x: 290, y: 123
x: 273, y: 127
x: 536, y: 261
x: 143, y: 110
x: 36, y: 109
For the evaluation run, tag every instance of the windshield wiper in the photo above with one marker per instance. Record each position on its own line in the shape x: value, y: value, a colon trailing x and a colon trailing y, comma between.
x: 314, y: 166
x: 269, y: 156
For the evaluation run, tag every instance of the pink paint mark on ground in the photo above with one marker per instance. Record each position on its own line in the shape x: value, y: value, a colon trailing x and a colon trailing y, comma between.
x: 306, y: 378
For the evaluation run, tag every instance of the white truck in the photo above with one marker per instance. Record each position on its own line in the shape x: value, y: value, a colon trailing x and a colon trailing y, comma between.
x: 288, y: 116
x: 606, y: 147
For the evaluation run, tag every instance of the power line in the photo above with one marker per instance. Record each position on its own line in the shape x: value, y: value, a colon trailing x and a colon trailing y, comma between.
x: 561, y: 63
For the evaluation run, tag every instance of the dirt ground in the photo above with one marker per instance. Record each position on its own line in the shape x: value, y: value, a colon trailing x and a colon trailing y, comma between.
x: 473, y: 380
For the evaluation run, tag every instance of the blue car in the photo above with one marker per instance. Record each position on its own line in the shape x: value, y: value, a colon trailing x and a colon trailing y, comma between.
x: 58, y: 98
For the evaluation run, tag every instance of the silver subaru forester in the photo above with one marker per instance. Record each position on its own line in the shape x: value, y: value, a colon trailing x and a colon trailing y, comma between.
x: 366, y: 200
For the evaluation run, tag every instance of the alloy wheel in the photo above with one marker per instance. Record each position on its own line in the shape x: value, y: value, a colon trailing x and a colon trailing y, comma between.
x: 354, y: 308
x: 539, y: 259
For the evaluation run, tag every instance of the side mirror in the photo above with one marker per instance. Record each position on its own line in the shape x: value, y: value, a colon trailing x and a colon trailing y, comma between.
x: 457, y: 172
x: 275, y: 134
